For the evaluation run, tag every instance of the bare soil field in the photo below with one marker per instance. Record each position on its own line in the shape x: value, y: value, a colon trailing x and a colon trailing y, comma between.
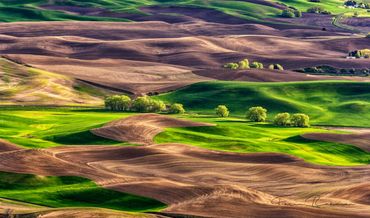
x: 195, y: 181
x: 155, y: 56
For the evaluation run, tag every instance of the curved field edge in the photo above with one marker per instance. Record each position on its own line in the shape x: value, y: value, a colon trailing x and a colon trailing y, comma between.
x: 330, y: 103
x: 238, y: 135
x: 43, y: 127
x: 34, y: 11
x: 70, y: 191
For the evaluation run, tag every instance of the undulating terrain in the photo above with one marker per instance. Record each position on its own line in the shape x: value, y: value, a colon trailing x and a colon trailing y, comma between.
x: 70, y: 149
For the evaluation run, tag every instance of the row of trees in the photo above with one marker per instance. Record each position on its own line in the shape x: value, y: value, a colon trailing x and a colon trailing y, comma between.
x: 141, y: 104
x: 146, y: 104
x: 259, y: 114
x: 244, y: 64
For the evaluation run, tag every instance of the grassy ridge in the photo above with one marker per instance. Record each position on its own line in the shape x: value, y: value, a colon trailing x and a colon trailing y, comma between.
x: 42, y: 127
x: 68, y: 191
x: 327, y: 102
x: 237, y: 135
x: 20, y: 10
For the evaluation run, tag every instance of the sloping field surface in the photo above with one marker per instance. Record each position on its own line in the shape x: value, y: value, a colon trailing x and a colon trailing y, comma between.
x: 196, y: 181
x: 326, y: 102
x: 30, y: 86
x: 143, y: 130
x: 157, y: 56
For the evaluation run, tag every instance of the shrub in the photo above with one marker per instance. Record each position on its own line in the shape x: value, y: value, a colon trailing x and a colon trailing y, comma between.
x: 282, y: 119
x: 176, y: 109
x: 288, y: 13
x: 257, y: 65
x: 222, y: 111
x: 257, y: 114
x: 118, y: 103
x: 300, y: 120
x: 244, y: 64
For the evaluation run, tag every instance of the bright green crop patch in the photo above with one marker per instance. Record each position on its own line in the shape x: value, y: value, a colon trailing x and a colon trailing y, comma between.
x: 20, y: 10
x: 36, y: 127
x: 68, y: 191
x: 326, y: 102
x: 238, y: 135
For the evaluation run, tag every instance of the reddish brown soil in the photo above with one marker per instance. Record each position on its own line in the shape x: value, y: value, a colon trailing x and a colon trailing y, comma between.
x: 143, y: 130
x: 200, y: 182
x: 157, y: 56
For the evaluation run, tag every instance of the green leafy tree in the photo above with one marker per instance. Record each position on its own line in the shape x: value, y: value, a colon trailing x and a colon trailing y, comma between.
x: 118, y: 103
x: 141, y: 104
x: 300, y: 120
x: 233, y: 66
x: 297, y: 13
x: 282, y: 119
x: 222, y: 111
x: 257, y: 65
x: 257, y: 114
x: 176, y: 109
x: 244, y: 64
x: 156, y: 106
x: 287, y: 13
x: 146, y: 104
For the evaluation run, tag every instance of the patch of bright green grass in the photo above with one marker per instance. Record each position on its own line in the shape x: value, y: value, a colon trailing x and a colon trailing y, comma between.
x: 336, y: 103
x: 238, y: 135
x: 19, y: 10
x: 36, y: 127
x: 68, y: 191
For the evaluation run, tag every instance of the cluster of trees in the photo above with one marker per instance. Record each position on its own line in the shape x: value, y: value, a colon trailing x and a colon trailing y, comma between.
x: 291, y: 13
x: 296, y: 120
x: 318, y: 10
x: 259, y: 114
x: 329, y: 70
x: 363, y: 53
x: 142, y: 104
x: 244, y: 64
x: 354, y: 4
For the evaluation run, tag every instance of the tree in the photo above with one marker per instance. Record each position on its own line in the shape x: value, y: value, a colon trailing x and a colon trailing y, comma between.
x: 156, y: 106
x: 287, y: 13
x: 244, y: 64
x: 275, y: 67
x: 146, y: 104
x: 257, y: 65
x: 300, y: 120
x: 257, y: 114
x: 176, y: 109
x: 282, y: 119
x: 141, y: 104
x: 222, y: 111
x: 297, y: 13
x: 118, y: 103
x: 233, y: 66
